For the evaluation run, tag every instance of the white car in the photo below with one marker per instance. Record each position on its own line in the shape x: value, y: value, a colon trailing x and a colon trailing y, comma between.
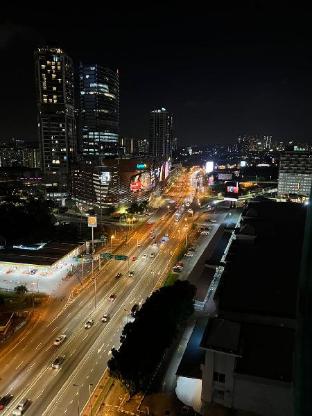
x: 152, y: 255
x: 60, y: 339
x: 204, y: 232
x: 189, y: 254
x: 105, y: 318
x: 22, y: 407
x: 144, y: 256
x: 89, y: 323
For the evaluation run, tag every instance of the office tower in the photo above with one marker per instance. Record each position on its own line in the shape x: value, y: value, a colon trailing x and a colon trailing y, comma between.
x: 134, y: 146
x: 295, y: 174
x: 99, y: 111
x: 160, y: 141
x: 55, y: 104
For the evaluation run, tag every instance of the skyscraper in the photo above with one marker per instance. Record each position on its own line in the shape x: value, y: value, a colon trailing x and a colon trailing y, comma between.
x: 161, y: 135
x: 99, y: 111
x: 295, y: 173
x: 55, y: 104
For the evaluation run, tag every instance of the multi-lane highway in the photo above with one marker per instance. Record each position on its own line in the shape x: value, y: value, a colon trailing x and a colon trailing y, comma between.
x: 26, y: 372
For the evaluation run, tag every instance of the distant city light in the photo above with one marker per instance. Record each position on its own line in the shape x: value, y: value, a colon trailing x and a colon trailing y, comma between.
x: 243, y: 164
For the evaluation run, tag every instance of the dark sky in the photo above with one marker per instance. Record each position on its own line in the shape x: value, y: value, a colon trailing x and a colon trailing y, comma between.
x: 222, y: 72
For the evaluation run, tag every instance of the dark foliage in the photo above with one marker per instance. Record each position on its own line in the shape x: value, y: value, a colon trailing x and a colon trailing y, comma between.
x: 145, y: 340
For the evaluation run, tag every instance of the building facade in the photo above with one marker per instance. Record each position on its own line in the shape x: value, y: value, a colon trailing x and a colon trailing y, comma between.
x: 134, y: 146
x: 160, y: 133
x: 116, y: 181
x: 55, y: 105
x: 295, y: 174
x: 99, y: 111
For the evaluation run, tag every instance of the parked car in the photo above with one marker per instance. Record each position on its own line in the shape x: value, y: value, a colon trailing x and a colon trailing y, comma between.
x: 118, y: 275
x: 131, y: 273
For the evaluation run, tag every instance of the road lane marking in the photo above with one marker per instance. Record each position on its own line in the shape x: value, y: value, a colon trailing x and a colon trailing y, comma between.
x: 19, y: 365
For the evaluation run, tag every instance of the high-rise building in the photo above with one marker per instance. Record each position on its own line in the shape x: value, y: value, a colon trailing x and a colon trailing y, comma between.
x: 99, y: 111
x: 55, y: 104
x: 160, y: 134
x: 295, y: 173
x: 134, y: 145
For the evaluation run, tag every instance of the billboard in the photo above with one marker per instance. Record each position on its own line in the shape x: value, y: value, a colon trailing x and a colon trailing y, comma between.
x: 105, y: 178
x: 209, y: 166
x: 92, y: 221
x: 140, y: 182
x: 231, y: 191
x: 225, y: 176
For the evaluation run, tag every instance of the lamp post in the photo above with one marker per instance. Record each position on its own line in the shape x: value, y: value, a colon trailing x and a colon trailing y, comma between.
x: 78, y: 404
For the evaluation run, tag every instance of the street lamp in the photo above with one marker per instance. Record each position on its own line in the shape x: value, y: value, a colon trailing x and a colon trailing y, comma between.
x: 78, y: 404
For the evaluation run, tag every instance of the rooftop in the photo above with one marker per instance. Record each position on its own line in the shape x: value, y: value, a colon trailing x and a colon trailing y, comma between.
x: 46, y: 256
x: 221, y: 335
x: 261, y: 277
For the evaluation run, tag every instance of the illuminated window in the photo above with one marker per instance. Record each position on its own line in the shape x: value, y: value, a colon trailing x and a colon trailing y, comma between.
x: 43, y: 66
x: 54, y: 88
x: 53, y: 76
x: 87, y: 76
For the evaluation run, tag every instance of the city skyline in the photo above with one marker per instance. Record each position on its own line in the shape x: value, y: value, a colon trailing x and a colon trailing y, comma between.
x: 244, y: 69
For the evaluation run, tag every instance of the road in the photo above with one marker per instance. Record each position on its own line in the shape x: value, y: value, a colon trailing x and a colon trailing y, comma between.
x: 25, y: 371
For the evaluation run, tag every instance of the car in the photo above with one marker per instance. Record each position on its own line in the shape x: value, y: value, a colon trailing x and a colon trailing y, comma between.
x: 5, y: 400
x: 152, y: 255
x: 60, y: 339
x: 204, y: 232
x: 138, y: 244
x: 191, y: 249
x: 177, y: 269
x: 134, y: 309
x: 188, y: 254
x: 113, y: 297
x: 213, y: 221
x: 144, y: 256
x: 105, y: 318
x: 89, y: 323
x: 133, y: 258
x: 22, y: 407
x: 118, y: 275
x: 131, y: 273
x: 57, y: 363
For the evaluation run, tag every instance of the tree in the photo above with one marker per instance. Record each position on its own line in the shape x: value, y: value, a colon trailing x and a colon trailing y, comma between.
x: 145, y: 341
x: 21, y: 289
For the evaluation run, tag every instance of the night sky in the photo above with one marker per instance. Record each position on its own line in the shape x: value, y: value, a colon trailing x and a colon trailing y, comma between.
x: 222, y: 72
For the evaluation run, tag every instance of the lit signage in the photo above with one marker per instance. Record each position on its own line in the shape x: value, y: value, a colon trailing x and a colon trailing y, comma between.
x: 141, y: 166
x: 92, y: 222
x: 105, y: 178
x: 209, y: 167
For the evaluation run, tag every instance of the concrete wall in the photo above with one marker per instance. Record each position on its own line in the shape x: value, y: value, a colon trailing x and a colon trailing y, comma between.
x: 220, y: 363
x: 265, y: 397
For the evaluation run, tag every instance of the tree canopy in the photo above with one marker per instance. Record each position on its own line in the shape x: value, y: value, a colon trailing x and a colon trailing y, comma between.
x: 145, y: 340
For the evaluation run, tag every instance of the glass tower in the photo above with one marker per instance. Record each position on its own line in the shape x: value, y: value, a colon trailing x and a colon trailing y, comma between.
x: 99, y: 111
